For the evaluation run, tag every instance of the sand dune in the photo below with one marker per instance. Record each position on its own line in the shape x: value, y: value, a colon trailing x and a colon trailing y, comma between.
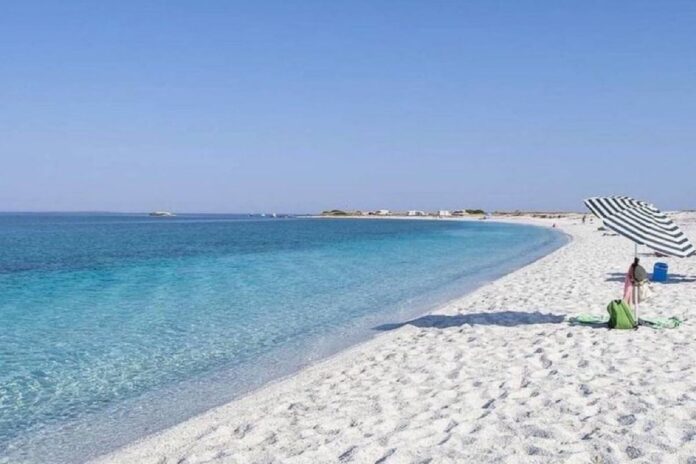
x: 496, y: 376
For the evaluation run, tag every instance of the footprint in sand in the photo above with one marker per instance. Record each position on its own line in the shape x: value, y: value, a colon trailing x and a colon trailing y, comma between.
x: 633, y: 452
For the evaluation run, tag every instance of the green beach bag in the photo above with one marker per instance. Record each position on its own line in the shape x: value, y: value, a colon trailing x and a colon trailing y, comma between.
x: 620, y: 315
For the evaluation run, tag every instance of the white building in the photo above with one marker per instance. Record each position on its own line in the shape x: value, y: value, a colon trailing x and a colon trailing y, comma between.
x: 382, y: 212
x: 415, y: 212
x: 444, y: 213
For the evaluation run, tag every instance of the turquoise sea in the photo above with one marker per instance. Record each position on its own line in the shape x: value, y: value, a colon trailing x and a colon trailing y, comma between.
x: 113, y: 326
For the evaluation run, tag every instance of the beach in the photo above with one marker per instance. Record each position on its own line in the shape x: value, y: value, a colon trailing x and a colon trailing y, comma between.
x: 499, y: 375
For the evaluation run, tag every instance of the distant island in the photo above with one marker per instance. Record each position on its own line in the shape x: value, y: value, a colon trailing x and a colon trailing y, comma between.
x: 443, y: 213
x: 410, y: 213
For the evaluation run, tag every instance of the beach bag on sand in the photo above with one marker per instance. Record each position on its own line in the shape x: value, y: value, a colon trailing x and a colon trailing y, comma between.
x: 644, y: 292
x: 620, y: 315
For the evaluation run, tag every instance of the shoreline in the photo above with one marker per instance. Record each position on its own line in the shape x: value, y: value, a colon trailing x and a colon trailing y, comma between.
x: 373, y: 341
x: 100, y: 436
x: 497, y: 375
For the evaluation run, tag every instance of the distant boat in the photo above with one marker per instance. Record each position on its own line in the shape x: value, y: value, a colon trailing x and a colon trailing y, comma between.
x: 162, y: 214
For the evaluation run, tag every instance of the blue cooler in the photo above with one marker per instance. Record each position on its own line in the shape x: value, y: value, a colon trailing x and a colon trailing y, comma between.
x: 660, y: 272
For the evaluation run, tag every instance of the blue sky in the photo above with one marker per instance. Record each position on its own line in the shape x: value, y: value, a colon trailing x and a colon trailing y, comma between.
x: 298, y: 106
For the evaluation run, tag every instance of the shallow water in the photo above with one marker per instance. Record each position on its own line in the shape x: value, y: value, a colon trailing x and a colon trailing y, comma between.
x: 113, y: 326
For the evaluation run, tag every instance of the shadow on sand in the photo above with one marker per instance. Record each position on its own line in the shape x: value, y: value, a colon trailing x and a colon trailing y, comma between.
x: 672, y: 279
x: 501, y: 318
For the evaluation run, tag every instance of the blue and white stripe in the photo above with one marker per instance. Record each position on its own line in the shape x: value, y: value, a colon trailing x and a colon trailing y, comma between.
x: 642, y: 223
x: 603, y: 207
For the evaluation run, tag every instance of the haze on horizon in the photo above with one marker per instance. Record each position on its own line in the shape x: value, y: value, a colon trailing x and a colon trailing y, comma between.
x: 303, y: 106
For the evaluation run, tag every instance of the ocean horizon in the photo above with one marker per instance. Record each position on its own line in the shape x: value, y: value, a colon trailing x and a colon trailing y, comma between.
x: 119, y: 325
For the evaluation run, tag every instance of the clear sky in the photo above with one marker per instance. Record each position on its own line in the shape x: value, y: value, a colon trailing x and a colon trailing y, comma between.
x: 298, y: 106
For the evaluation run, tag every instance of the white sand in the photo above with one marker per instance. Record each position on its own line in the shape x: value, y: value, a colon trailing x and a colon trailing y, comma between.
x: 495, y: 376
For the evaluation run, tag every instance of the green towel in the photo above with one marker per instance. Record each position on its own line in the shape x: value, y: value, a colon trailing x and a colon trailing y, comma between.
x: 590, y: 319
x: 653, y: 322
x: 661, y: 322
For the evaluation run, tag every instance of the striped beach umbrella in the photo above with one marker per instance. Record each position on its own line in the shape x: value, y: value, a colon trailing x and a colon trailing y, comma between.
x: 603, y: 207
x: 642, y: 223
